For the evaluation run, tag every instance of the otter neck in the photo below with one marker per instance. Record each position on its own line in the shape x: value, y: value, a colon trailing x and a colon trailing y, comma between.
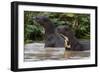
x: 50, y: 29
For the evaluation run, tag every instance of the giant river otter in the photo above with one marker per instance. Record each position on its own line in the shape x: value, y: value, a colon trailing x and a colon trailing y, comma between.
x: 52, y: 39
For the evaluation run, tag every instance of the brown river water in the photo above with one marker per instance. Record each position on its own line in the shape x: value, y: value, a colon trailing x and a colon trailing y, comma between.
x: 37, y: 52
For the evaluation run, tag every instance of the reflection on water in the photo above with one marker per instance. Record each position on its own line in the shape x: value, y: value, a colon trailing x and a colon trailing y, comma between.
x: 37, y: 52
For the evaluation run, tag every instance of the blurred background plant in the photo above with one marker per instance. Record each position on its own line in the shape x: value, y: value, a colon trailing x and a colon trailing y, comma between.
x: 79, y: 23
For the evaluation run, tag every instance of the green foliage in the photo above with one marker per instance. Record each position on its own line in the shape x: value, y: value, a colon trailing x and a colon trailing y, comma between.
x: 79, y: 23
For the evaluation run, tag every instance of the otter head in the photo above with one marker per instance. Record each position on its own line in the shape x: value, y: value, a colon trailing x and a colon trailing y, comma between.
x: 42, y: 20
x: 65, y: 30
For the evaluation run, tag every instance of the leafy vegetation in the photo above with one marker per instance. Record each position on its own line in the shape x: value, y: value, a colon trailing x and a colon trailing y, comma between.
x: 79, y: 23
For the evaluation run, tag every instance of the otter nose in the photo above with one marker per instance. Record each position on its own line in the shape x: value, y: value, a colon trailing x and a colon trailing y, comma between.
x: 37, y: 17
